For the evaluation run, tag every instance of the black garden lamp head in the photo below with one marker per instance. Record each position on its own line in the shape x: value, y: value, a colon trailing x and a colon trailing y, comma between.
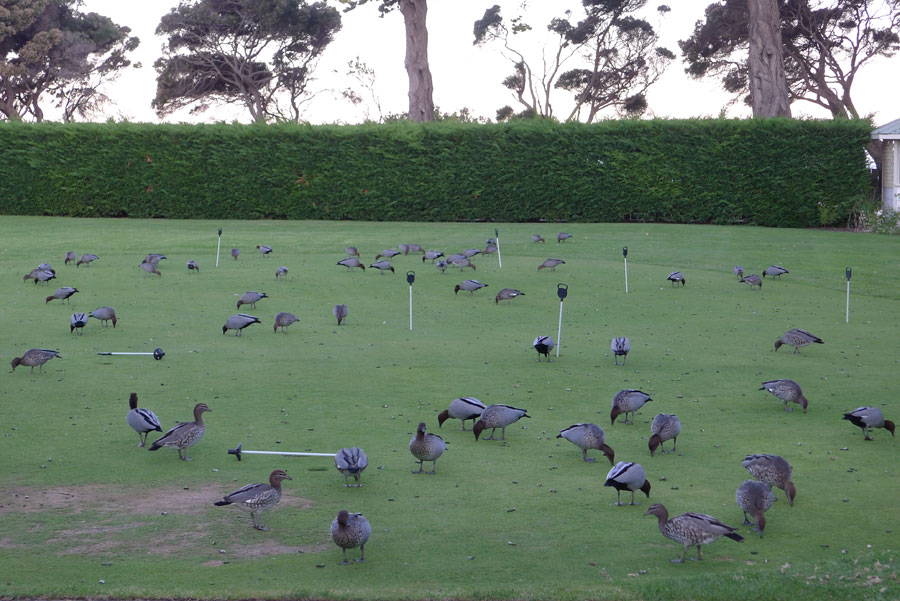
x: 849, y: 273
x: 410, y: 277
x: 625, y: 251
x: 220, y: 232
x: 496, y: 232
x: 158, y: 353
x: 561, y: 291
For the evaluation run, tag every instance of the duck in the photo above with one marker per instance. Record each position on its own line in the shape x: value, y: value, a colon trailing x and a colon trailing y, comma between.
x: 490, y: 248
x: 47, y: 267
x: 776, y: 271
x: 86, y: 259
x: 142, y: 421
x: 283, y: 320
x: 404, y: 248
x: 738, y: 270
x: 507, y: 294
x: 755, y: 498
x: 868, y: 418
x: 797, y: 338
x: 691, y: 529
x: 104, y: 314
x: 588, y: 436
x: 562, y: 237
x: 752, y: 280
x: 551, y: 263
x: 787, y: 391
x: 537, y: 238
x: 281, y: 272
x: 235, y: 252
x: 39, y: 276
x: 351, y: 530
x: 238, y: 322
x: 543, y: 345
x: 351, y: 461
x: 453, y: 258
x: 70, y: 256
x: 150, y: 269
x: 471, y: 252
x: 192, y: 266
x: 264, y: 250
x: 153, y: 258
x: 256, y: 498
x: 620, y: 347
x: 352, y: 251
x: 62, y: 294
x: 665, y: 426
x: 431, y: 255
x: 426, y: 447
x: 416, y: 248
x: 387, y: 253
x: 628, y: 475
x: 675, y: 277
x: 627, y: 401
x: 340, y: 312
x: 498, y: 416
x: 442, y: 266
x: 77, y: 322
x: 35, y: 357
x: 470, y: 285
x: 774, y: 470
x: 250, y: 298
x: 462, y: 263
x: 462, y: 408
x: 184, y: 435
x: 351, y: 262
x: 383, y: 266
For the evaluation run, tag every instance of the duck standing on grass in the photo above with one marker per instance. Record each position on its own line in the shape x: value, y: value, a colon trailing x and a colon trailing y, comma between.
x: 543, y: 345
x: 351, y: 530
x: 184, y: 435
x: 665, y: 426
x: 340, y: 312
x: 786, y: 391
x: 628, y: 476
x: 774, y: 470
x: 142, y: 421
x: 498, y: 416
x: 797, y: 338
x: 868, y: 418
x: 256, y: 498
x: 426, y: 447
x: 755, y: 498
x: 627, y: 401
x: 283, y: 320
x: 462, y: 408
x: 691, y: 529
x: 588, y: 436
x: 620, y: 347
x: 34, y: 357
x: 351, y: 461
x: 238, y: 322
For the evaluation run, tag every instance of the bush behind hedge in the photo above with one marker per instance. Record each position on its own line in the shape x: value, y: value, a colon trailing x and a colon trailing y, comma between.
x: 766, y: 172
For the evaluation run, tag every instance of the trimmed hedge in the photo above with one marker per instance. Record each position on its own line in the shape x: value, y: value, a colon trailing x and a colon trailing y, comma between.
x: 767, y: 172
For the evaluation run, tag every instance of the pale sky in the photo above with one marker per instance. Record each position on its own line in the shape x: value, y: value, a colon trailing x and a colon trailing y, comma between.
x: 464, y: 75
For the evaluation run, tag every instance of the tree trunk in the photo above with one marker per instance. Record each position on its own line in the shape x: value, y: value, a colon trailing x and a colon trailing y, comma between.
x: 768, y: 85
x: 421, y: 89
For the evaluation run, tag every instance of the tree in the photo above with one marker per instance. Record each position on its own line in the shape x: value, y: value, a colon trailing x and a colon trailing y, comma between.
x: 825, y: 43
x: 48, y: 49
x: 768, y: 85
x: 421, y: 87
x: 259, y: 54
x: 618, y: 54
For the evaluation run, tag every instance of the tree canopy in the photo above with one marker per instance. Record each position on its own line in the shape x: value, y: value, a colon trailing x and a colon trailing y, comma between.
x: 259, y: 54
x: 825, y: 43
x: 50, y: 50
x: 615, y: 53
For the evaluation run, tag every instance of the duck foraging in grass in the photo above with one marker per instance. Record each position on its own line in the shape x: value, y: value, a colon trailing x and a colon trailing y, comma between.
x: 426, y: 447
x: 250, y: 298
x: 184, y: 435
x: 776, y: 271
x: 868, y: 418
x: 755, y: 498
x: 351, y: 461
x: 627, y: 476
x: 281, y: 272
x: 256, y: 498
x: 63, y: 294
x: 150, y: 269
x: 562, y: 237
x: 142, y: 421
x: 383, y: 266
x: 537, y: 238
x: 264, y: 250
x: 627, y: 401
x: 193, y: 267
x: 235, y: 253
x: 665, y: 426
x: 105, y: 314
x: 283, y: 320
x: 86, y: 259
x: 238, y: 322
x: 34, y: 357
x: 787, y: 391
x: 507, y: 294
x: 797, y: 338
x: 340, y: 312
x: 498, y: 416
x: 551, y: 263
x: 676, y: 277
x: 351, y: 262
x: 470, y: 285
x: 774, y: 470
x: 351, y: 530
x: 77, y: 322
x: 588, y: 436
x: 752, y: 280
x: 462, y: 408
x: 691, y: 529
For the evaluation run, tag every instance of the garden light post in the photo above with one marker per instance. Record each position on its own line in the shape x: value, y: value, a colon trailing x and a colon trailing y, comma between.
x: 410, y: 277
x: 561, y: 291
x: 625, y: 256
x: 848, y: 273
x: 238, y: 451
x: 497, y: 238
x: 157, y: 354
x: 218, y: 246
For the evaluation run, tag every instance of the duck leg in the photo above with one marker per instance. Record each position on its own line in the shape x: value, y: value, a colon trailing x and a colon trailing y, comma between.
x: 746, y: 522
x: 683, y: 555
x: 586, y: 458
x: 362, y: 553
x: 503, y: 433
x: 415, y: 472
x: 345, y: 562
x: 619, y: 498
x: 866, y: 432
x: 699, y: 554
x: 433, y: 467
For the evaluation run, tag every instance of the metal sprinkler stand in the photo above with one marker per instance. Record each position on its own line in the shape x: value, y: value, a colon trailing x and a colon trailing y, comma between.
x: 157, y: 353
x: 238, y: 452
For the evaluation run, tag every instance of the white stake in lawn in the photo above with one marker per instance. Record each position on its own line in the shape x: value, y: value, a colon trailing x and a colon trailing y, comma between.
x: 157, y: 353
x: 218, y: 246
x: 497, y: 238
x: 561, y: 291
x: 410, y: 277
x: 625, y: 255
x: 848, y: 273
x: 238, y: 452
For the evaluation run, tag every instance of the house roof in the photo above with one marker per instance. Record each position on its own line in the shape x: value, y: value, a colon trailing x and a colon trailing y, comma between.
x: 888, y: 131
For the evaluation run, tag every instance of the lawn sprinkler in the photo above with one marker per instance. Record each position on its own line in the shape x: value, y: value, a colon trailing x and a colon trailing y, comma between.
x: 238, y: 451
x: 848, y: 273
x: 218, y: 246
x: 497, y: 238
x: 157, y: 353
x: 625, y: 256
x: 561, y: 291
x: 410, y: 277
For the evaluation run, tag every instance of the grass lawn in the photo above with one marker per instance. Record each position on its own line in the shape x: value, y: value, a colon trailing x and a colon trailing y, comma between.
x: 84, y: 512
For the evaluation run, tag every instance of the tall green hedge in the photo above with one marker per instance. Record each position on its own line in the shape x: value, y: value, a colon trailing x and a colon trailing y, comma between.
x: 768, y: 172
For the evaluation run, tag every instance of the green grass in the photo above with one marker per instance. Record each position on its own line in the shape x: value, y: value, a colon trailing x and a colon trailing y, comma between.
x: 100, y: 509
